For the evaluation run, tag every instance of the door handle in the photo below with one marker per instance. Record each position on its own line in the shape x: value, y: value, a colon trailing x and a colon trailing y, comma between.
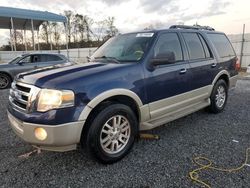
x: 213, y: 65
x: 183, y: 71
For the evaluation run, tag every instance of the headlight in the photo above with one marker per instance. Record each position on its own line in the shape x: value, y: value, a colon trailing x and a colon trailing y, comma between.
x: 52, y: 99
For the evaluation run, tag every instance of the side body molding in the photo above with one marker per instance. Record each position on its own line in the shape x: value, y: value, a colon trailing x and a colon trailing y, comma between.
x: 143, y: 109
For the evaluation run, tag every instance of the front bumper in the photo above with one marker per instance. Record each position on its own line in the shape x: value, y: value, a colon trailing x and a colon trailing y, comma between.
x: 64, y: 137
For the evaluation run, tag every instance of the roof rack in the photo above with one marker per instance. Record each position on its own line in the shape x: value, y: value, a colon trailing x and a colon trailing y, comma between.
x: 197, y: 27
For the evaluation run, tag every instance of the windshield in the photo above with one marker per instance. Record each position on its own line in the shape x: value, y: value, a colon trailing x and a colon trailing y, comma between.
x: 125, y: 48
x: 15, y: 60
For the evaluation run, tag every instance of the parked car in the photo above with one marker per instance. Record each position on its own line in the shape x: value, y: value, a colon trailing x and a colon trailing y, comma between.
x: 135, y: 81
x: 25, y: 63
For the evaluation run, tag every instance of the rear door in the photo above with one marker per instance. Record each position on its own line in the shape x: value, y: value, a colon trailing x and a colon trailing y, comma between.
x: 167, y: 84
x: 202, y: 62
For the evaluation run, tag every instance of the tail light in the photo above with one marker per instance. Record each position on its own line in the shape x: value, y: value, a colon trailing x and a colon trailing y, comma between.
x: 237, y: 64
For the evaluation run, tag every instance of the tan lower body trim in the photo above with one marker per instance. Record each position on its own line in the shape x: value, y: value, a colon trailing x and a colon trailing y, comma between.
x: 62, y: 137
x: 174, y: 103
x: 169, y: 109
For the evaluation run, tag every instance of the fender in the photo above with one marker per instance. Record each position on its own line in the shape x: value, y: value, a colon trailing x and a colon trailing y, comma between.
x: 219, y: 74
x: 105, y: 95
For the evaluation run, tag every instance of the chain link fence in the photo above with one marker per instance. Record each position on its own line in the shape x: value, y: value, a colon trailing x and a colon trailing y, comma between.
x: 242, y: 47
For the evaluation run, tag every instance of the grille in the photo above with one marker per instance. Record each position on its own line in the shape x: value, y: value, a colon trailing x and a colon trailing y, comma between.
x: 22, y: 95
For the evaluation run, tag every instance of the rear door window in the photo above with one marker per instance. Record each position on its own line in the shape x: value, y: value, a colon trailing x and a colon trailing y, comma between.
x: 194, y: 45
x: 222, y: 45
x: 205, y: 47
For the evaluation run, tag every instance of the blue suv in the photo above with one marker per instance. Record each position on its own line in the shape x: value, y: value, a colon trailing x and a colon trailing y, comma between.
x: 135, y: 81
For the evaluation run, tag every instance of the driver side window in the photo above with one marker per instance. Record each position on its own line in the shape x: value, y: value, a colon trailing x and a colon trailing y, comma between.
x: 168, y: 43
x: 26, y: 60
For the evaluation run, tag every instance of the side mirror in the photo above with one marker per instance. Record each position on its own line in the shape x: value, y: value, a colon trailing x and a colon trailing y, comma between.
x: 163, y: 58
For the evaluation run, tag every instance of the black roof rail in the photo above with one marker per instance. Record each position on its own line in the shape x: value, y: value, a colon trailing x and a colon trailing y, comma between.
x: 197, y: 27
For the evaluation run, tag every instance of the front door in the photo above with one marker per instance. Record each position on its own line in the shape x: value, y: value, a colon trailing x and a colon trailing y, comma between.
x: 23, y: 65
x: 167, y: 84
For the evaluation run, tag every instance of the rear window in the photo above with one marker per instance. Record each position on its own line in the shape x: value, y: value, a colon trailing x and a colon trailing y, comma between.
x: 222, y: 45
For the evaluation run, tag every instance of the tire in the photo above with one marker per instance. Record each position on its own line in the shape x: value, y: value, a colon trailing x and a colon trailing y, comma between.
x: 218, y: 97
x: 107, y: 142
x: 5, y: 81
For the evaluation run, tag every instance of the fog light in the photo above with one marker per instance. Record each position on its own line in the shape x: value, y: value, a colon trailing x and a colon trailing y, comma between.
x: 40, y: 134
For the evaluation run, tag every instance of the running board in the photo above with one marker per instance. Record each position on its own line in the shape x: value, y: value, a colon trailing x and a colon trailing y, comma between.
x: 174, y: 115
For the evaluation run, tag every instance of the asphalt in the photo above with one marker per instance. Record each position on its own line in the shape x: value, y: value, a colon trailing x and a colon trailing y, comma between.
x: 166, y: 162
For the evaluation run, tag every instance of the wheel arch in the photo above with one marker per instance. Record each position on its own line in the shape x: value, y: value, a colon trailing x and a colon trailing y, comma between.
x: 104, y: 99
x: 8, y: 77
x: 122, y: 96
x: 222, y: 75
x: 7, y: 73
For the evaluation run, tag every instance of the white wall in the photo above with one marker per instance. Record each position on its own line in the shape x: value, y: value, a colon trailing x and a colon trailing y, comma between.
x: 76, y: 55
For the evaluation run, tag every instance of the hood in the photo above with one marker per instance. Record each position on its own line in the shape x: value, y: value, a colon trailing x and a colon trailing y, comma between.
x: 4, y: 65
x: 64, y: 77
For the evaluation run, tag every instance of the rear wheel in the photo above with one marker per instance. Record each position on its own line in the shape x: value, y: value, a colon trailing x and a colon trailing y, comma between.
x: 112, y: 133
x: 219, y: 97
x: 5, y: 81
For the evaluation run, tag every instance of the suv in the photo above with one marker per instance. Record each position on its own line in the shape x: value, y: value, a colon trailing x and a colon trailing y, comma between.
x: 133, y: 82
x: 25, y: 63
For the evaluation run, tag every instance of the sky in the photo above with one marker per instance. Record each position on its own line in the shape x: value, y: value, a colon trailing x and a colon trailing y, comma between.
x: 131, y: 15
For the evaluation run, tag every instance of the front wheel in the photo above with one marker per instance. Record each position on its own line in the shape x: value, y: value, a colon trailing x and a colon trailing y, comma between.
x: 219, y: 97
x: 5, y: 81
x: 112, y: 133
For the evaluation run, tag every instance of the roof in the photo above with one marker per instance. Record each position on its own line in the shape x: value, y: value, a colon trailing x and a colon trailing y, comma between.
x: 22, y: 18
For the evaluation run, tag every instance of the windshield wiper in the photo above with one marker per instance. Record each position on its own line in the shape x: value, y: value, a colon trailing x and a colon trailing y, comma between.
x: 108, y: 58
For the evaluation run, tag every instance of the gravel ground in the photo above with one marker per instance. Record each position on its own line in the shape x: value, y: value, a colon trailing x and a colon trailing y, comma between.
x: 155, y: 163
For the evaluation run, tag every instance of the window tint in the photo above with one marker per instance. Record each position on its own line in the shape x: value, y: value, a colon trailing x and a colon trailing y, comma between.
x: 53, y: 58
x: 48, y: 57
x: 222, y: 45
x: 194, y: 45
x: 35, y: 58
x: 205, y: 47
x: 168, y: 42
x: 26, y: 60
